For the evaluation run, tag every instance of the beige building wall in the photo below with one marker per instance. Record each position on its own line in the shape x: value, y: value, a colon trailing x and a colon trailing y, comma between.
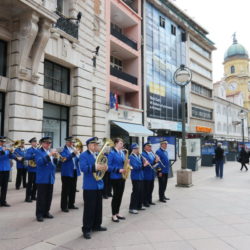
x: 33, y: 37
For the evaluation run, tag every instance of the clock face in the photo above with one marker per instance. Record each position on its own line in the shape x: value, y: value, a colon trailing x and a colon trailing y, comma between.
x: 233, y: 86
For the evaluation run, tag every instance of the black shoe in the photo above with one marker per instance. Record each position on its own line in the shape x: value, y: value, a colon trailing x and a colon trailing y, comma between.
x: 34, y: 198
x: 5, y: 204
x: 141, y: 208
x: 99, y: 229
x: 120, y: 217
x: 65, y: 210
x: 162, y: 200
x: 28, y: 200
x: 115, y: 220
x: 87, y: 235
x: 166, y: 199
x: 17, y: 188
x: 152, y: 203
x: 105, y: 197
x: 73, y: 207
x: 146, y: 205
x: 40, y: 219
x: 49, y: 216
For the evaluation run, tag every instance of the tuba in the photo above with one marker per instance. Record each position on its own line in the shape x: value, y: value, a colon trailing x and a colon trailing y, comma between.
x: 102, y: 158
x: 126, y: 166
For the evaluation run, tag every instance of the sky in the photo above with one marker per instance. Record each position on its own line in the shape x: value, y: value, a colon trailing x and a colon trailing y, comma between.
x: 221, y: 19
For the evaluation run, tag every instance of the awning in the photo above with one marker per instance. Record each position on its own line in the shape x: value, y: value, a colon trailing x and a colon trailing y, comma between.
x: 134, y: 129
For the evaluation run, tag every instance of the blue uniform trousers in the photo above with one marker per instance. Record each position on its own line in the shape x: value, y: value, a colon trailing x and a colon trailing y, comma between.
x: 136, y: 198
x: 148, y: 187
x: 31, y: 186
x: 163, y: 181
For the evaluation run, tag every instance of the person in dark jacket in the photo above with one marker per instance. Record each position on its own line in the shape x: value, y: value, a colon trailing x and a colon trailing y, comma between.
x: 244, y: 158
x: 219, y: 160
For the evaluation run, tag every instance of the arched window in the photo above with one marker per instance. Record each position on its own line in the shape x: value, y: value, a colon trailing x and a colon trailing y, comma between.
x: 232, y: 69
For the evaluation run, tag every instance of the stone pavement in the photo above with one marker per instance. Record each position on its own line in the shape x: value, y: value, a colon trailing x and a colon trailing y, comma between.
x: 214, y: 214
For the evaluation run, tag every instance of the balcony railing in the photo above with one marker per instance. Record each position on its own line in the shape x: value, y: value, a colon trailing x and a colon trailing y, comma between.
x: 123, y: 38
x: 67, y: 25
x: 130, y: 4
x: 122, y: 75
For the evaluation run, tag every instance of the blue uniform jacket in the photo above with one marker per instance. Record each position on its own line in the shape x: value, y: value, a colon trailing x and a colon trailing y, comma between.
x: 30, y: 155
x: 164, y: 159
x: 149, y: 173
x: 68, y: 166
x: 46, y: 168
x: 5, y: 157
x: 87, y: 166
x: 137, y: 164
x: 115, y: 163
x: 19, y: 153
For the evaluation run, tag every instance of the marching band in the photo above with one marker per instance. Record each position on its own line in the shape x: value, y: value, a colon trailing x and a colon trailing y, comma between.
x: 96, y: 164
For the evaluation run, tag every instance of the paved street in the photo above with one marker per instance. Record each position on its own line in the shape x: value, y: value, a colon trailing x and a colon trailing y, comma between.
x: 213, y: 214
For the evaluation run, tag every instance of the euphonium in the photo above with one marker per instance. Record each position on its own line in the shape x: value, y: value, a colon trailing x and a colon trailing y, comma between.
x: 126, y: 166
x: 102, y: 159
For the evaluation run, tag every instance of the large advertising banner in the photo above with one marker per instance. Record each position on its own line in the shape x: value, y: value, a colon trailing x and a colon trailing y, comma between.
x: 155, y: 141
x: 247, y: 146
x: 193, y: 147
x: 208, y: 147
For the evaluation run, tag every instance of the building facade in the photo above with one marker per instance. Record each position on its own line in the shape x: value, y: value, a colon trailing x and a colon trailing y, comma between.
x: 228, y: 126
x: 171, y: 38
x: 124, y: 70
x: 236, y: 73
x: 53, y: 75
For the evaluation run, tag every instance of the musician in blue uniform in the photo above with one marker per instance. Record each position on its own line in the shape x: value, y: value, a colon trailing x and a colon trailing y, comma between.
x: 137, y: 163
x: 21, y: 168
x: 149, y: 174
x: 46, y: 161
x: 69, y: 172
x: 5, y: 156
x: 92, y: 189
x: 164, y: 170
x: 30, y: 157
x: 116, y: 160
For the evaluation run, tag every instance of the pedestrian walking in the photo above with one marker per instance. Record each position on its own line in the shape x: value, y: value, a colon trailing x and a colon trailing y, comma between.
x: 244, y: 158
x: 219, y: 160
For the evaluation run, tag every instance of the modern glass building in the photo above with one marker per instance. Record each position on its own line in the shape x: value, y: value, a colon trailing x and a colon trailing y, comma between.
x: 165, y: 49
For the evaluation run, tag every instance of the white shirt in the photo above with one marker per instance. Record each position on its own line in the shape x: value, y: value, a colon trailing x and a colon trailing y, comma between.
x: 71, y: 150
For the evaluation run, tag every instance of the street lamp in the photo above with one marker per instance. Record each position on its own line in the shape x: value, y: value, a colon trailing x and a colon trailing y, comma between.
x: 182, y: 77
x: 242, y: 115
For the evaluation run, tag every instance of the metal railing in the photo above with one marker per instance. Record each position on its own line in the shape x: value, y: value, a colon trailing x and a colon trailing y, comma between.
x: 67, y: 25
x: 123, y: 38
x: 129, y: 3
x: 122, y: 75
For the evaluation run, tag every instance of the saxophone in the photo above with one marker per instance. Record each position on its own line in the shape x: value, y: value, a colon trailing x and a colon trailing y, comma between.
x: 126, y: 166
x: 102, y: 159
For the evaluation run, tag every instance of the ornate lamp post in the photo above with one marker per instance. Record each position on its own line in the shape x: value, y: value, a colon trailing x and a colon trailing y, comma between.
x: 242, y: 115
x: 182, y: 77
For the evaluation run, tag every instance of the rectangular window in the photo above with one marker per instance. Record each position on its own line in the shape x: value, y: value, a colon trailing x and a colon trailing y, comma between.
x: 55, y: 123
x: 162, y: 22
x: 115, y: 63
x: 201, y: 90
x: 60, y: 6
x: 56, y: 77
x: 202, y: 113
x: 3, y: 58
x: 173, y: 30
x: 116, y: 28
x: 1, y: 113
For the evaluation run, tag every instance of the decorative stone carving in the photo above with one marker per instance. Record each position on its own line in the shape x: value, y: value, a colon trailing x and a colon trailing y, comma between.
x: 39, y: 46
x: 26, y: 36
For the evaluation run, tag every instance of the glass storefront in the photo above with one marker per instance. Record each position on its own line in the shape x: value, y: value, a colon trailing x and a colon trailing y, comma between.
x: 165, y: 52
x: 55, y: 123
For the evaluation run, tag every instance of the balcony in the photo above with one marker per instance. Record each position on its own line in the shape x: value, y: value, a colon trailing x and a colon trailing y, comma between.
x: 123, y: 38
x: 67, y: 25
x: 130, y: 4
x: 122, y: 75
